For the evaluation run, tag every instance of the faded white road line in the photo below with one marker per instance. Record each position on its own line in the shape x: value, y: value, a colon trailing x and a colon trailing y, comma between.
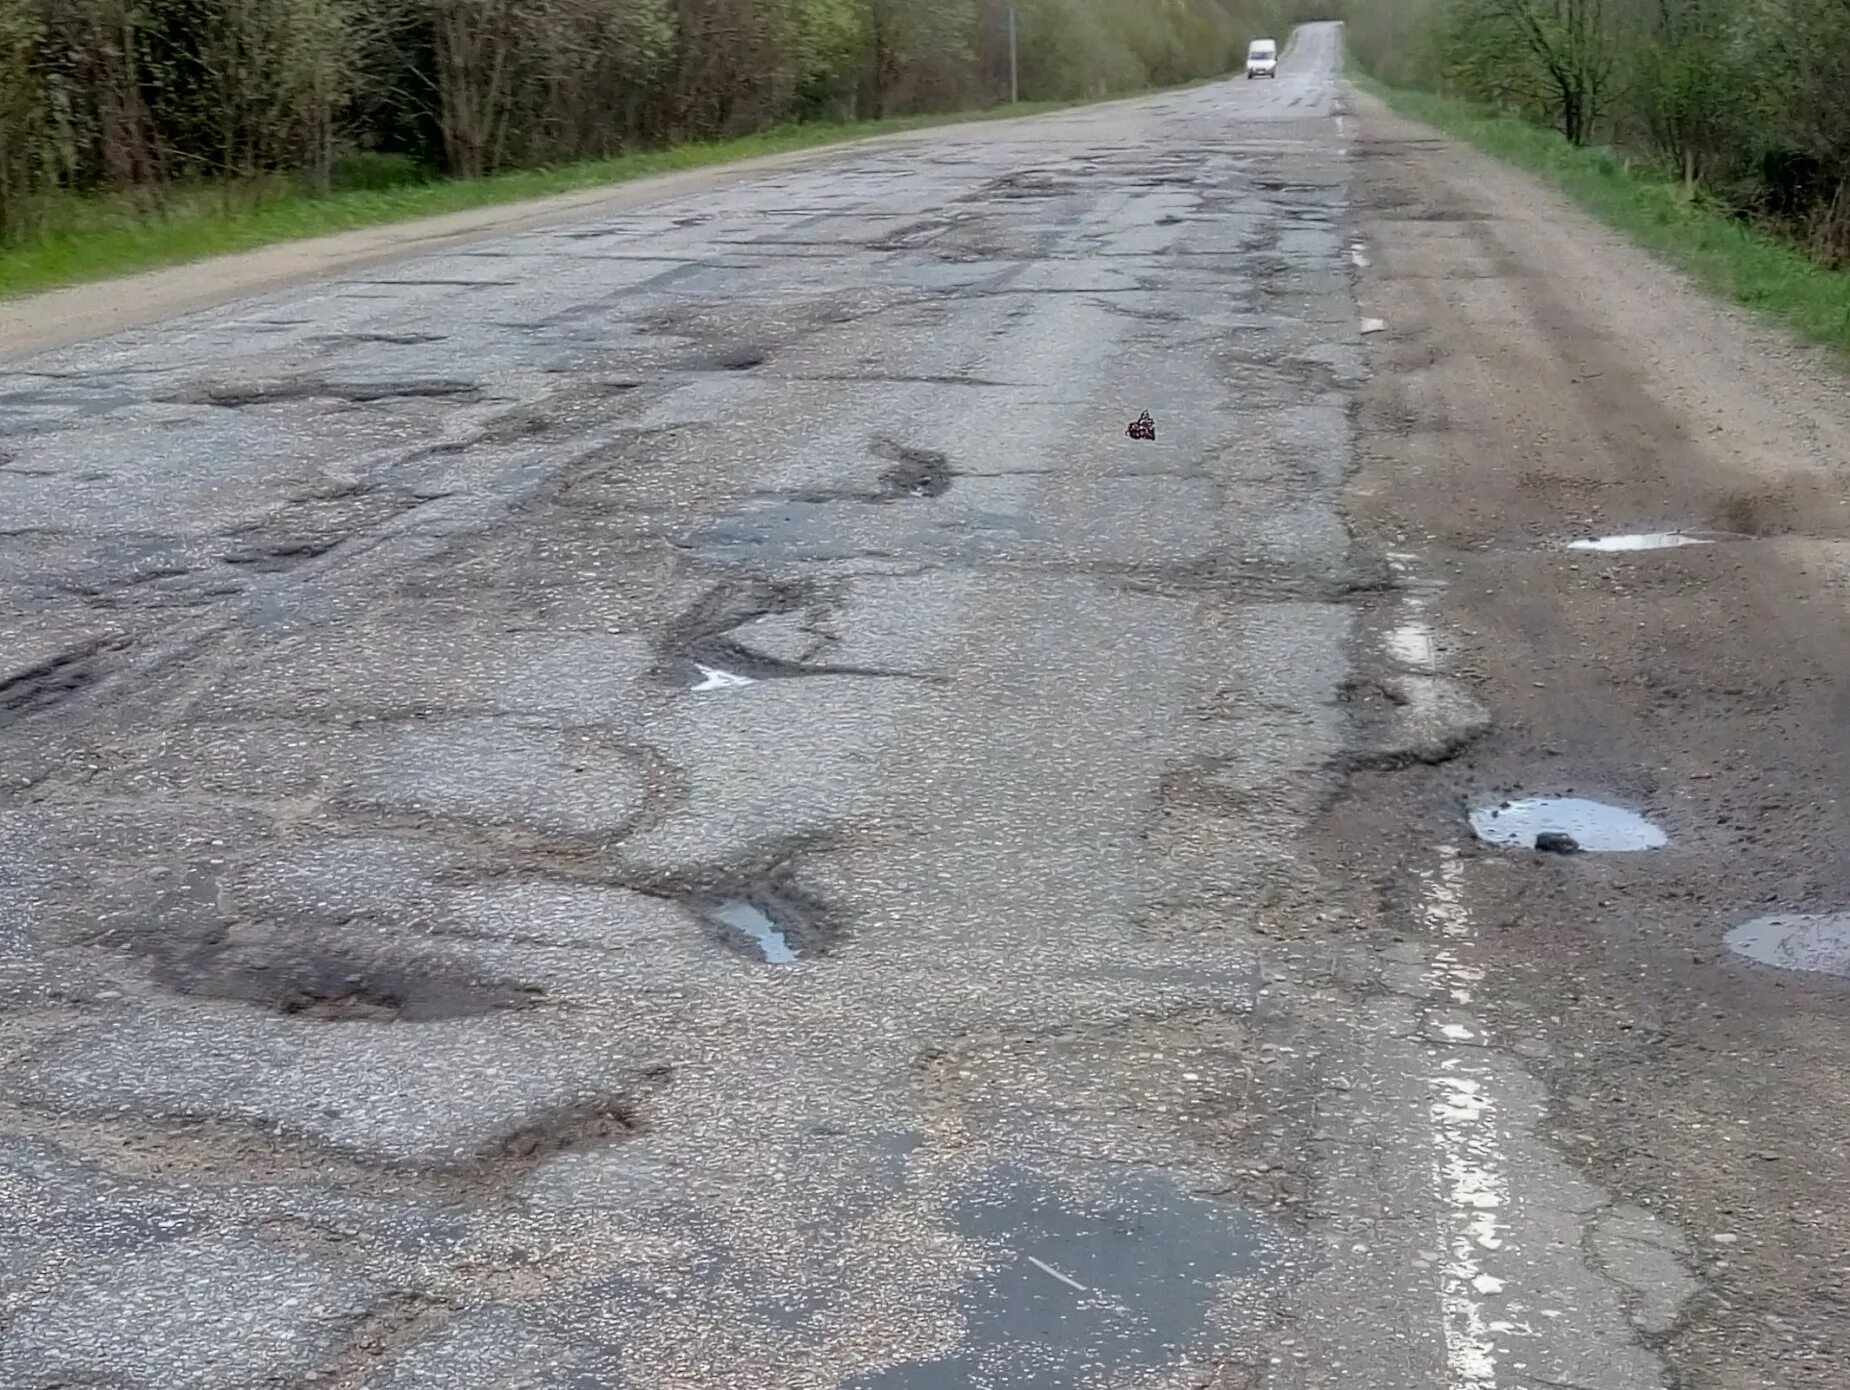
x: 1468, y: 1164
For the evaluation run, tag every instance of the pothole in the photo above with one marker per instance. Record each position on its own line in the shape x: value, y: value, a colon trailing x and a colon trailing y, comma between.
x: 1818, y: 943
x: 1639, y: 540
x: 1565, y: 824
x: 709, y: 650
x: 766, y: 924
x: 916, y: 472
x: 341, y: 989
x: 754, y: 928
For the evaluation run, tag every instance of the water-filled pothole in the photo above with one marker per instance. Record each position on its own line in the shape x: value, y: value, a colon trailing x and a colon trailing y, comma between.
x: 1815, y: 942
x: 1639, y: 540
x: 1539, y: 822
x: 753, y: 928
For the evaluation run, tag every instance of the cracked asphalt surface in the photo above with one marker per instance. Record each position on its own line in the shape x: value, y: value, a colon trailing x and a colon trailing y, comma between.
x: 437, y: 698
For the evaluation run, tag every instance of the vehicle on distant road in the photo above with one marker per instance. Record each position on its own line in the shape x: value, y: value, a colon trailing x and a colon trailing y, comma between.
x: 1262, y: 59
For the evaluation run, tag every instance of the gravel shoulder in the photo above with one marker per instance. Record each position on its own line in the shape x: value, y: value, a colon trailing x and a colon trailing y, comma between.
x: 1537, y: 380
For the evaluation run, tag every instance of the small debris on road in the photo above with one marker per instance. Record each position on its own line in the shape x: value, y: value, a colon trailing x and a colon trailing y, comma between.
x: 1556, y: 842
x: 1143, y: 427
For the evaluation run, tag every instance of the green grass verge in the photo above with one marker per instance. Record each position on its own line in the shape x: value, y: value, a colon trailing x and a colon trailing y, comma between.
x: 1728, y: 256
x: 100, y: 237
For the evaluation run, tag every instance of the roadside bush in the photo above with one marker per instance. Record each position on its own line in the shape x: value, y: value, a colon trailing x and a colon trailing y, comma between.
x: 373, y: 171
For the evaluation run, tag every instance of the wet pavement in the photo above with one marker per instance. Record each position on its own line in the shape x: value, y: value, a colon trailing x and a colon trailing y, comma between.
x: 670, y: 800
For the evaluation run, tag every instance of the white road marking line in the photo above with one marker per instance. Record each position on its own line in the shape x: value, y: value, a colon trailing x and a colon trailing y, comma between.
x: 1470, y: 1173
x: 1413, y: 644
x: 1414, y: 647
x: 1468, y: 1165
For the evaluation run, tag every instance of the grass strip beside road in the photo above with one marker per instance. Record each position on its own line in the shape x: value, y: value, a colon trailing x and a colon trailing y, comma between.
x: 1728, y: 256
x: 106, y: 236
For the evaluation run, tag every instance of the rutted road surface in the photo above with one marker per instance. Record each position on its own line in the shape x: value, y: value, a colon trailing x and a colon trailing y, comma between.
x: 670, y: 800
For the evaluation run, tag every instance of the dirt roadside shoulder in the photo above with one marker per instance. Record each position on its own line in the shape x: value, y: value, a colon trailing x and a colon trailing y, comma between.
x: 1539, y: 379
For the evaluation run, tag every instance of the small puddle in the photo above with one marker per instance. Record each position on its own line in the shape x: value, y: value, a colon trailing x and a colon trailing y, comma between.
x: 1593, y: 825
x: 1642, y: 540
x: 1814, y: 942
x: 755, y: 926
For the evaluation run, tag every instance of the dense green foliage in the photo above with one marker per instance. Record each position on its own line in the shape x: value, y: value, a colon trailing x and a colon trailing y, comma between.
x: 1746, y: 101
x: 144, y: 101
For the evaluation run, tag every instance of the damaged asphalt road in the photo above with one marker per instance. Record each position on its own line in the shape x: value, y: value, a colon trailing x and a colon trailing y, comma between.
x: 670, y: 800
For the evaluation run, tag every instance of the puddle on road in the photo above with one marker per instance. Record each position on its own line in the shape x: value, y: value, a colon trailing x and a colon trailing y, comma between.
x: 1642, y: 540
x: 1593, y: 825
x: 1818, y: 943
x: 755, y: 927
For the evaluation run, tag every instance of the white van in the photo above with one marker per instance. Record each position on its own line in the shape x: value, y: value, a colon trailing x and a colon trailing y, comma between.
x: 1262, y: 59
